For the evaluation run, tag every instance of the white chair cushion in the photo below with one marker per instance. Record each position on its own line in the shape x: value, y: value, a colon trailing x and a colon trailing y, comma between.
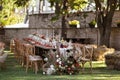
x: 34, y: 58
x: 3, y: 57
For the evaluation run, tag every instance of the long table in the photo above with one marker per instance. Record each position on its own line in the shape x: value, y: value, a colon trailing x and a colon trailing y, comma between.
x: 41, y: 49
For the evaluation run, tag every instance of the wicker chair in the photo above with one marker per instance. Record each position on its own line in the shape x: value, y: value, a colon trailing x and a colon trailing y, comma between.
x: 87, y: 56
x: 84, y: 54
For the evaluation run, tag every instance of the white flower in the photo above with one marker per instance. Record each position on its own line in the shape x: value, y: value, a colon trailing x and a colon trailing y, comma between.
x: 70, y: 73
x: 45, y: 59
x: 60, y: 62
x: 43, y: 72
x: 66, y: 65
x: 51, y: 66
x: 50, y: 71
x: 60, y: 66
x: 57, y: 60
x: 57, y: 56
x: 73, y: 66
x: 68, y: 61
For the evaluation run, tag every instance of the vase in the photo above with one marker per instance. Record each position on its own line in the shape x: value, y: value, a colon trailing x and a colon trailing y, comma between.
x: 73, y: 26
x: 78, y: 25
x: 91, y: 26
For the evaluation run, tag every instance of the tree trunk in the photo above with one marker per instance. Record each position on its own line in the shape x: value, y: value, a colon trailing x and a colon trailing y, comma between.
x: 64, y: 19
x: 105, y: 36
x: 64, y: 27
x: 104, y: 26
x: 119, y: 5
x: 104, y: 20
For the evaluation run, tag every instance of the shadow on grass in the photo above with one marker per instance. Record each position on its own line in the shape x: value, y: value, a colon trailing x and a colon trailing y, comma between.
x: 14, y: 71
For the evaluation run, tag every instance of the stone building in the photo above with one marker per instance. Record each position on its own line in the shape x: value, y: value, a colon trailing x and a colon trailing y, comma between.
x: 41, y: 23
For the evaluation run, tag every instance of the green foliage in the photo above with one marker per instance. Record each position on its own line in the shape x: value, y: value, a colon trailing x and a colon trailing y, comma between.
x: 93, y: 22
x: 2, y: 23
x: 70, y: 5
x: 8, y: 15
x: 21, y: 2
x: 77, y: 4
x: 15, y: 71
x: 74, y: 22
x: 54, y: 18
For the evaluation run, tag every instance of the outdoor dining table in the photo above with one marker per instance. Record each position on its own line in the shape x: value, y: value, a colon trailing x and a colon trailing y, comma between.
x: 41, y: 49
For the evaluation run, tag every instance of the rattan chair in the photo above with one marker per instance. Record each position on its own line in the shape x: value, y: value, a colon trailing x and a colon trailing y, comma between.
x: 31, y: 58
x: 87, y: 56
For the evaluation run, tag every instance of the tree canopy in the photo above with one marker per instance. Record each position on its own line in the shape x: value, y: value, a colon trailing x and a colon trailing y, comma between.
x: 104, y: 10
x: 67, y: 6
x: 8, y: 11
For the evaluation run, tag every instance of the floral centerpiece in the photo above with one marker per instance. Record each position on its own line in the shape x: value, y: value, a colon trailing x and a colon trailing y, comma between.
x: 74, y: 23
x: 92, y: 24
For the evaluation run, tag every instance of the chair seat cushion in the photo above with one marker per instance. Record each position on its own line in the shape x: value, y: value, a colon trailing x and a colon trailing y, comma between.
x: 34, y: 58
x: 85, y: 59
x: 3, y: 57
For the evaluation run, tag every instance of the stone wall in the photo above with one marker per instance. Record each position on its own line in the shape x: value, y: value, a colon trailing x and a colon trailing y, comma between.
x: 41, y: 24
x: 44, y: 20
x: 115, y: 38
x: 71, y: 33
x: 24, y: 32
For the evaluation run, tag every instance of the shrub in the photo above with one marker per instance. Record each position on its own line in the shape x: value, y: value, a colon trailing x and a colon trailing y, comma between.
x: 92, y: 23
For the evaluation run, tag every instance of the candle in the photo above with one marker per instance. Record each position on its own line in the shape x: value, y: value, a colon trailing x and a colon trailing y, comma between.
x: 53, y: 32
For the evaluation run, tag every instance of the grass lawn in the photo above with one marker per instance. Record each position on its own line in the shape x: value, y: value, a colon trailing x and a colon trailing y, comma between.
x: 14, y: 71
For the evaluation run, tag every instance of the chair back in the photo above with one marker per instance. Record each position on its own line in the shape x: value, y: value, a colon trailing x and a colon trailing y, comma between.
x: 88, y: 51
x: 79, y: 51
x: 3, y: 57
x: 29, y: 49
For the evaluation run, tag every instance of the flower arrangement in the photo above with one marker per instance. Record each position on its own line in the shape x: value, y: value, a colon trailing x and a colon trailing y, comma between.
x: 68, y: 66
x: 92, y: 23
x: 57, y: 64
x: 74, y: 22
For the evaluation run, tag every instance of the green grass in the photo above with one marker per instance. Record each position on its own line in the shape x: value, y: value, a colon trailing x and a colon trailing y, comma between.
x: 14, y: 71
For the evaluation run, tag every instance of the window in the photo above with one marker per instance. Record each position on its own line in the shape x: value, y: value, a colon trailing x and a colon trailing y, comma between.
x: 40, y: 6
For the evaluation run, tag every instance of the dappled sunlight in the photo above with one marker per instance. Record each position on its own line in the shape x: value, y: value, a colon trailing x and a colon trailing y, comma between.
x: 7, y: 51
x: 15, y: 71
x: 98, y: 64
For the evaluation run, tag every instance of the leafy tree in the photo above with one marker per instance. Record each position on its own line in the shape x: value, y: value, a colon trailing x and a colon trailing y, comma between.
x: 22, y: 2
x: 105, y: 10
x: 63, y: 8
x: 7, y: 11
